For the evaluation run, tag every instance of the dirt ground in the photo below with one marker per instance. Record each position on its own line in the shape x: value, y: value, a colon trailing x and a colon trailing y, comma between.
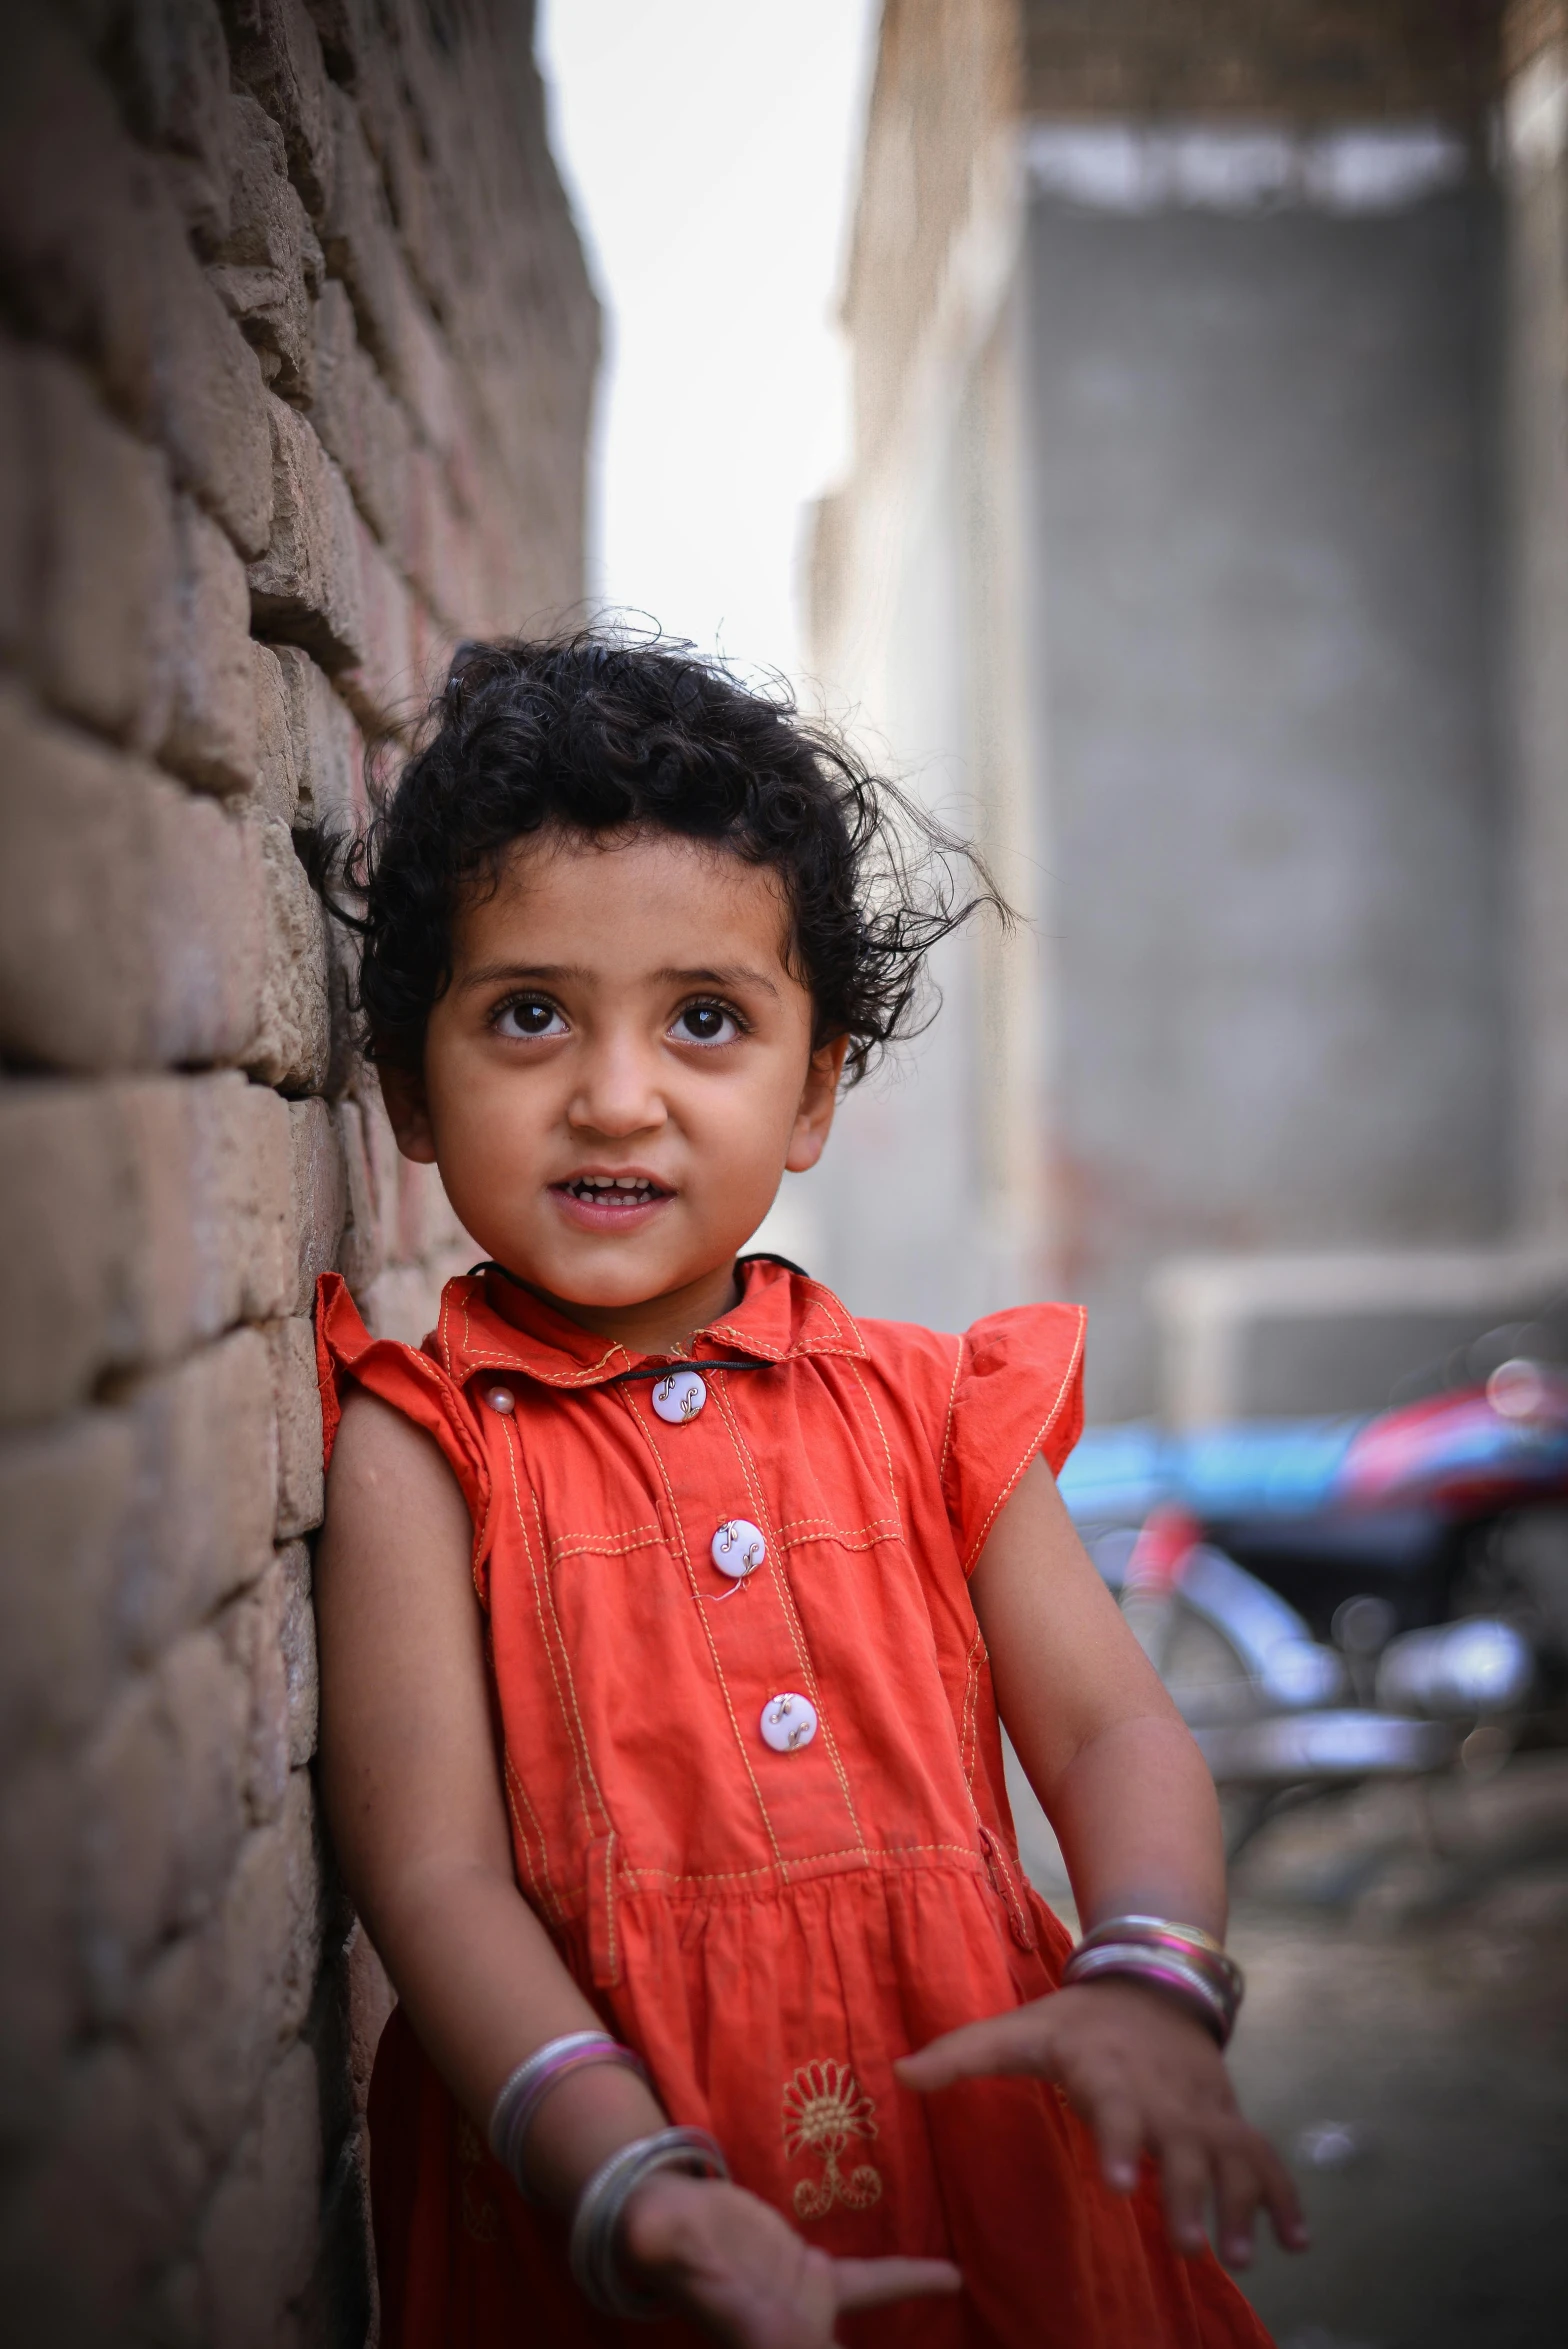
x: 1405, y: 2041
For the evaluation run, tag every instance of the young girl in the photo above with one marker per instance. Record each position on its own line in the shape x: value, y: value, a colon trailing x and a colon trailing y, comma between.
x: 667, y: 1611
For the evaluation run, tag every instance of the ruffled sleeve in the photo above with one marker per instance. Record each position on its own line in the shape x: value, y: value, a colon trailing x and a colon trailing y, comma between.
x: 412, y: 1383
x: 1017, y: 1390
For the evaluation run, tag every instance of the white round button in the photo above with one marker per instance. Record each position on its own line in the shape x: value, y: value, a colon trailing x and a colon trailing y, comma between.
x: 501, y: 1399
x: 788, y: 1721
x: 679, y: 1396
x: 738, y: 1548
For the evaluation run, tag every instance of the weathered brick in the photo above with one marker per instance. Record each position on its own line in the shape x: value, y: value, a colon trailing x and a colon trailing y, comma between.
x: 360, y: 243
x: 130, y: 918
x: 18, y: 504
x: 306, y: 587
x: 298, y: 1642
x: 102, y: 608
x: 128, y: 1865
x: 371, y: 1999
x: 382, y: 687
x: 171, y: 65
x: 144, y: 1216
x: 108, y: 2202
x: 258, y: 2235
x: 212, y: 733
x: 359, y: 420
x: 205, y: 1694
x: 293, y: 1041
x: 269, y: 266
x: 219, y: 2006
x: 213, y: 1225
x: 95, y: 256
x: 69, y: 1218
x: 40, y: 1985
x: 209, y: 401
x: 292, y: 1345
x: 277, y: 754
x: 205, y: 912
x: 252, y: 1630
x: 331, y: 756
x: 435, y: 544
x: 206, y: 1440
x: 277, y: 56
x: 65, y: 1499
x: 363, y: 1249
x: 70, y: 186
x: 319, y: 1185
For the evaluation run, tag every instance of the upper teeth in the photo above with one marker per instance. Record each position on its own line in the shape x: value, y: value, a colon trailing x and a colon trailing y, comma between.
x: 611, y: 1183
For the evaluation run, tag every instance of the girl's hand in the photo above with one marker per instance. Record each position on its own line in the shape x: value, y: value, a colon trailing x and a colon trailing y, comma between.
x: 1145, y: 2076
x: 729, y: 2261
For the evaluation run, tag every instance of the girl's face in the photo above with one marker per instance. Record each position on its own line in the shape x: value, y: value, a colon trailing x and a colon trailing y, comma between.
x: 619, y: 1073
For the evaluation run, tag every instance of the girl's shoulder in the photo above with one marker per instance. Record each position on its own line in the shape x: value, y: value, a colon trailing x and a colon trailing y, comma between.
x: 988, y: 1400
x: 414, y: 1380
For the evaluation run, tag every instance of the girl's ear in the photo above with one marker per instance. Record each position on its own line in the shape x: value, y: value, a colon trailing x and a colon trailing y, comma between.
x: 818, y: 1100
x: 404, y: 1095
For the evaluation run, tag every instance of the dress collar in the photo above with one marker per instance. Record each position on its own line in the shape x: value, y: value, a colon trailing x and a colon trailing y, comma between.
x: 489, y: 1323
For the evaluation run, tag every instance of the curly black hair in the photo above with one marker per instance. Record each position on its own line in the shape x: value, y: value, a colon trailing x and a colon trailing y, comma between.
x: 601, y: 732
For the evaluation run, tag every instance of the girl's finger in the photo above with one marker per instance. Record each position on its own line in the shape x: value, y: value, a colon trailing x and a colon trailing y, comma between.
x: 1281, y: 2199
x: 1238, y: 2189
x: 1118, y: 2132
x: 1184, y: 2168
x: 975, y: 2049
x: 869, y: 2283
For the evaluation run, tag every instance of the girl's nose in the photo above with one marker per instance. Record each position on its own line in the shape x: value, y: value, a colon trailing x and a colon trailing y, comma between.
x: 617, y: 1091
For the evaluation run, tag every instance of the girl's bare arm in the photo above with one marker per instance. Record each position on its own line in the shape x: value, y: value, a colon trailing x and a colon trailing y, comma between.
x: 417, y: 1810
x: 1134, y: 1809
x: 414, y: 1799
x: 1101, y: 1742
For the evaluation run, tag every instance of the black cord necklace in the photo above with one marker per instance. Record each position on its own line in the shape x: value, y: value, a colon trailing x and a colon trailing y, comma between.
x: 679, y: 1361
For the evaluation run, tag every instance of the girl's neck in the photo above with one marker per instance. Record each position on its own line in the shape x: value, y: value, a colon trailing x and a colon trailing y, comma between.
x: 655, y: 1325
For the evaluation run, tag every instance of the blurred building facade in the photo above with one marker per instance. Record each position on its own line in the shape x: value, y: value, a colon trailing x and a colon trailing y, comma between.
x: 296, y: 359
x: 1205, y: 553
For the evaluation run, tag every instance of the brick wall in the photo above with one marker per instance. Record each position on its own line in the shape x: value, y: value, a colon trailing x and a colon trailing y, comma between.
x: 295, y: 367
x: 1297, y: 60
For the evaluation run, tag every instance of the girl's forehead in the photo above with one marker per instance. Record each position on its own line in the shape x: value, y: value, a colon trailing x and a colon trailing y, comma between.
x: 628, y: 896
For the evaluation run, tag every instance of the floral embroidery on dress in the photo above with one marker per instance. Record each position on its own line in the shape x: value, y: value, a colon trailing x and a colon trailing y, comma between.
x: 824, y: 2111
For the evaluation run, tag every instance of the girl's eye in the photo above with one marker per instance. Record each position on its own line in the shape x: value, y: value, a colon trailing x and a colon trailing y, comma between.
x: 528, y: 1015
x: 706, y: 1023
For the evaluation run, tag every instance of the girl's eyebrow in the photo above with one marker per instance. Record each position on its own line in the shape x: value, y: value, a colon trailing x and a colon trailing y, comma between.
x: 555, y: 974
x: 735, y: 975
x: 544, y: 973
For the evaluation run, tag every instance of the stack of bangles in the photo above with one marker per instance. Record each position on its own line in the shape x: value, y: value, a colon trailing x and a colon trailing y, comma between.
x: 1190, y: 1964
x: 594, y: 2247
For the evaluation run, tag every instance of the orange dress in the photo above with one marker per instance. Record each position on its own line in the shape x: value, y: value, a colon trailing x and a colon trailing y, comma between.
x: 769, y: 1905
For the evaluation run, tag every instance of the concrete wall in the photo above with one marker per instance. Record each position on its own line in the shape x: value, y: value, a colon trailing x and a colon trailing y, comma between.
x: 1265, y: 636
x: 927, y: 1204
x: 1534, y: 148
x: 296, y: 352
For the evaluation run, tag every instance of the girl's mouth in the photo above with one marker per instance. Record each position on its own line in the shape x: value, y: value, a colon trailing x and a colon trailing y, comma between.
x: 599, y: 1202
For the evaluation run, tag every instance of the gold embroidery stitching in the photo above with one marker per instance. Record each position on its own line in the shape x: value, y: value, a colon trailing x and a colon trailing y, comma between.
x: 824, y: 2112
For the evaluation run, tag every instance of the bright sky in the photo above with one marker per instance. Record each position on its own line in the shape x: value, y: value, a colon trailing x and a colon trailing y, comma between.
x: 709, y: 148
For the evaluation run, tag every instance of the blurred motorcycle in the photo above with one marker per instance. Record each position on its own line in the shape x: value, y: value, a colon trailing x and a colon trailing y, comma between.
x: 1336, y: 1601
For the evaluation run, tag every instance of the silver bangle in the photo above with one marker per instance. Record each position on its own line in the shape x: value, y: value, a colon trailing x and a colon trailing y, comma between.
x: 593, y: 2251
x: 1181, y: 1959
x: 520, y: 2096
